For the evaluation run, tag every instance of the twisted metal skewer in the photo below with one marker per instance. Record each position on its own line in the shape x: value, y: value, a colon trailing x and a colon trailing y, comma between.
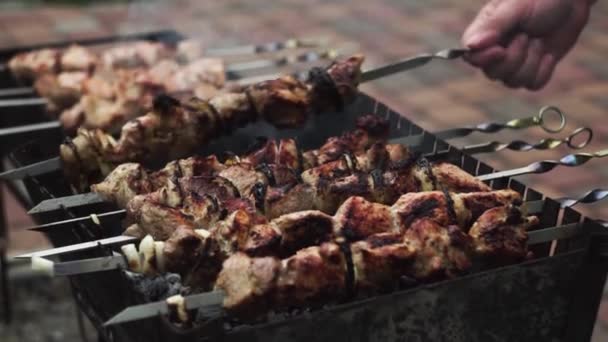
x: 544, y: 144
x: 516, y: 124
x: 570, y: 160
x: 589, y: 197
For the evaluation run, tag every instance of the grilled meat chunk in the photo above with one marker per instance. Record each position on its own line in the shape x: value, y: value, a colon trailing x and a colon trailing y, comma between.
x: 500, y: 235
x: 441, y: 252
x: 136, y: 54
x: 254, y: 285
x: 78, y: 58
x: 380, y: 261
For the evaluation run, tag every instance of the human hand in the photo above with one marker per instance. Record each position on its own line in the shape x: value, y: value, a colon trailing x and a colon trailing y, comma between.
x: 520, y: 41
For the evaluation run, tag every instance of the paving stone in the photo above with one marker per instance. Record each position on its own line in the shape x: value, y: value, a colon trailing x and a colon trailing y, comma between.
x: 77, y: 24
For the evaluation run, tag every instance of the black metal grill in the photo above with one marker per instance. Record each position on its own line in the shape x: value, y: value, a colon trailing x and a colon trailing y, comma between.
x: 551, y: 298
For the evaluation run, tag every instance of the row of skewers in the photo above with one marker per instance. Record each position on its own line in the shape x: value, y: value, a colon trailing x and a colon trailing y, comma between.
x: 341, y: 198
x: 104, y: 91
x: 279, y: 227
x: 290, y: 225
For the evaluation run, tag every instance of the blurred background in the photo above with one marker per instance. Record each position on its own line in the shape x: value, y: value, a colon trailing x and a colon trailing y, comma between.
x: 440, y: 95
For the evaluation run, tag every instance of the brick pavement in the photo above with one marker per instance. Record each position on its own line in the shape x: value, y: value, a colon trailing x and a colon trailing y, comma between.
x: 438, y: 96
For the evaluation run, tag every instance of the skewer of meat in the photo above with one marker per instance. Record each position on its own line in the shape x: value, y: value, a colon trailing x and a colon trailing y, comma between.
x: 70, y: 92
x: 186, y: 249
x: 422, y: 251
x: 271, y: 190
x: 249, y: 287
x: 246, y: 230
x: 30, y: 65
x: 382, y: 174
x: 109, y: 98
x: 130, y: 179
x: 496, y: 227
x: 33, y: 64
x: 175, y: 129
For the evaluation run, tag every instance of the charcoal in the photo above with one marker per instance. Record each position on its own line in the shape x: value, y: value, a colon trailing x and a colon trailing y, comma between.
x: 160, y: 287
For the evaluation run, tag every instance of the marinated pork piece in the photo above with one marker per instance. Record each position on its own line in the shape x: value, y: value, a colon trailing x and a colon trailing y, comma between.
x: 61, y: 91
x: 136, y: 54
x: 188, y: 50
x: 500, y: 235
x: 441, y: 251
x: 254, y: 285
x: 28, y: 65
x: 78, y: 58
x: 201, y: 71
x: 283, y: 102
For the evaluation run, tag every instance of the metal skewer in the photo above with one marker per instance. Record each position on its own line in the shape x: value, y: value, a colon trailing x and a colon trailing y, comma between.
x: 16, y: 91
x: 544, y: 144
x: 570, y: 160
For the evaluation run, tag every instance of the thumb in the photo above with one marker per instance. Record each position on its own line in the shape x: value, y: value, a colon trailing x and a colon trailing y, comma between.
x: 494, y: 23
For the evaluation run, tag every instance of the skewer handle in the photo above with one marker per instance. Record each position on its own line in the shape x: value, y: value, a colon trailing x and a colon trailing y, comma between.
x: 570, y: 160
x: 541, y: 119
x: 578, y: 139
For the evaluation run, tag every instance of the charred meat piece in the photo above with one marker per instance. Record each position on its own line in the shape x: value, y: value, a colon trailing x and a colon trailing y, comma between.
x: 441, y: 252
x: 500, y: 235
x: 254, y: 285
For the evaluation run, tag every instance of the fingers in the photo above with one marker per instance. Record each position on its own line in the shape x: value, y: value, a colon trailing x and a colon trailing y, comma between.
x: 494, y: 21
x: 524, y: 63
x: 544, y: 72
x: 485, y: 57
x: 515, y: 56
x: 525, y: 74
